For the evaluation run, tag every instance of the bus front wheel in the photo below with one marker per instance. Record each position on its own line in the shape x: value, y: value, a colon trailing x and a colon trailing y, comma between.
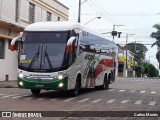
x: 35, y: 91
x: 75, y: 91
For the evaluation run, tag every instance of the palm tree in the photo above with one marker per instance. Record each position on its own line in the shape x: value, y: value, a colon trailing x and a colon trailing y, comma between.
x: 156, y: 35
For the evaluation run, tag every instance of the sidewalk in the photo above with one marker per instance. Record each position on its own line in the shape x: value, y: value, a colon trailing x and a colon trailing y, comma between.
x: 8, y: 84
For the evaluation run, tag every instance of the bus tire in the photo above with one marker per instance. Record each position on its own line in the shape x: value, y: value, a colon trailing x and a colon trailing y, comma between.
x: 75, y: 91
x: 35, y: 91
x: 105, y: 83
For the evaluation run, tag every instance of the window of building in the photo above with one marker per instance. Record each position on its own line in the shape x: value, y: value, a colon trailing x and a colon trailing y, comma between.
x: 49, y: 16
x: 58, y: 19
x: 17, y: 11
x: 1, y: 48
x: 31, y: 13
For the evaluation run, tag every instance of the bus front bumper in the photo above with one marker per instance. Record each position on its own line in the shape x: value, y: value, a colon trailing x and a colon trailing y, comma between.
x: 49, y: 85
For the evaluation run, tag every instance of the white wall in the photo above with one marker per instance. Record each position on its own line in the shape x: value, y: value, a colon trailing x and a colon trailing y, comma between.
x: 7, y: 11
x: 8, y: 66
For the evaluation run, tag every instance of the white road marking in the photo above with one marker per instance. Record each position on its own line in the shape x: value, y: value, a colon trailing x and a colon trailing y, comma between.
x: 95, y: 101
x: 152, y: 103
x: 142, y: 91
x: 9, y: 96
x: 111, y: 101
x: 17, y: 97
x: 2, y: 94
x: 153, y: 92
x: 138, y: 102
x: 122, y: 90
x: 84, y: 100
x: 132, y: 91
x: 53, y: 99
x: 69, y: 99
x: 112, y: 90
x: 40, y: 99
x: 125, y: 101
x: 29, y: 98
x: 26, y: 95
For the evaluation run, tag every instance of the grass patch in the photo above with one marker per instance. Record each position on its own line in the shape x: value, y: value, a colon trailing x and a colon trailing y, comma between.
x: 8, y: 86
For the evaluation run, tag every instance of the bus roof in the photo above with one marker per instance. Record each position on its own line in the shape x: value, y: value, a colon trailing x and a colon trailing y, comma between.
x: 52, y: 26
x: 60, y: 26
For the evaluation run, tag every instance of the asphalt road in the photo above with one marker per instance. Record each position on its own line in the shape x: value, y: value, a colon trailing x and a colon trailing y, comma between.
x: 126, y: 94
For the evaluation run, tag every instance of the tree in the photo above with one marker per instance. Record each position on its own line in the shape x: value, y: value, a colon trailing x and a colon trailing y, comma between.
x: 156, y: 35
x: 139, y: 49
x: 150, y: 70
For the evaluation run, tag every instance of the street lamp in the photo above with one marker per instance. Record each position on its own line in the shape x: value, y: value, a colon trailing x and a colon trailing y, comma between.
x: 92, y: 20
x: 126, y: 53
x: 79, y: 11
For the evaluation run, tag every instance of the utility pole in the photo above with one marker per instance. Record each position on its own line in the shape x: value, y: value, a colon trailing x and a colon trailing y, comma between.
x: 127, y: 53
x: 79, y: 12
x: 113, y: 30
x: 134, y: 71
x: 126, y: 56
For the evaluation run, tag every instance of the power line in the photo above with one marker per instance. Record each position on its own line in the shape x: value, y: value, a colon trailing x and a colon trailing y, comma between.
x: 107, y: 12
x: 122, y: 14
x: 99, y: 13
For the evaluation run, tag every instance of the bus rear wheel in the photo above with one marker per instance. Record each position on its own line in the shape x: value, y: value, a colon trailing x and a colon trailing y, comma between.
x: 105, y: 83
x: 35, y: 91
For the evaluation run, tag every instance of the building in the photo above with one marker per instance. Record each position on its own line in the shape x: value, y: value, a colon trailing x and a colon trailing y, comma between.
x: 122, y: 62
x: 15, y: 15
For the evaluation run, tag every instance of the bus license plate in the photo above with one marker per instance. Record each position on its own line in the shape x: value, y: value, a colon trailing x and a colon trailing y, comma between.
x: 38, y: 85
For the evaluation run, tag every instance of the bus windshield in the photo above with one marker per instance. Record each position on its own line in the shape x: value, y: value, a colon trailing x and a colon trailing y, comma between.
x: 43, y: 51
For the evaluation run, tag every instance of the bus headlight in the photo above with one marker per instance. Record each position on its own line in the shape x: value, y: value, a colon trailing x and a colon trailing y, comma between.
x: 21, y: 83
x: 60, y: 85
x: 60, y: 77
x: 21, y: 75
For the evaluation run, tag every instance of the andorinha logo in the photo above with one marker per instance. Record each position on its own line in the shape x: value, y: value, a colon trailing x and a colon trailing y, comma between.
x: 89, y: 57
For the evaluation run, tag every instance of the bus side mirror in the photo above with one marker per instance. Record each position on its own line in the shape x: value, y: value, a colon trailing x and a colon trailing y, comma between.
x: 12, y: 47
x: 13, y: 42
x: 69, y: 44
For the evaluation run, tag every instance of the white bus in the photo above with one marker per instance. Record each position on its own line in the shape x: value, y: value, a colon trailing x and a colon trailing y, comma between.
x: 64, y: 56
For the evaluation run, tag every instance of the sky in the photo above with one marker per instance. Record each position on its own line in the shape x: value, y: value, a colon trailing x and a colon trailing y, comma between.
x: 133, y: 17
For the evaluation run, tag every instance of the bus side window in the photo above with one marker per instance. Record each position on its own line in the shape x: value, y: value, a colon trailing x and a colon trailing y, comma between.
x: 74, y: 50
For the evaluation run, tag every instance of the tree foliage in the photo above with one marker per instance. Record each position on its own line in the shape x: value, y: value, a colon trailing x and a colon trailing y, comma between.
x: 150, y: 70
x: 139, y: 49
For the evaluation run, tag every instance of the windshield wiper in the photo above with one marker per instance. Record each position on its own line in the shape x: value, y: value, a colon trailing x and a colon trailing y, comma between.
x: 36, y: 56
x: 47, y: 56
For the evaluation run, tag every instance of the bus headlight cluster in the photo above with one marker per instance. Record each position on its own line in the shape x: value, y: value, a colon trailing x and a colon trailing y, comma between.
x: 21, y: 83
x: 21, y: 75
x: 60, y: 77
x: 60, y: 85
